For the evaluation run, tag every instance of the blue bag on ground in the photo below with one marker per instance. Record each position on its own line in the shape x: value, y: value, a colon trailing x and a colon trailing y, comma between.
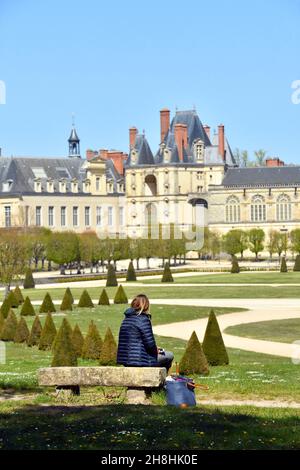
x: 179, y: 392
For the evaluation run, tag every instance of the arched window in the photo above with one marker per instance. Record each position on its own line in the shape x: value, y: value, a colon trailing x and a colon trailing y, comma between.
x: 283, y: 208
x: 233, y: 211
x: 258, y: 209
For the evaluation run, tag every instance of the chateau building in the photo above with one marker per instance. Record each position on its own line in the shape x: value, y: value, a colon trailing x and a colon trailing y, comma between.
x: 114, y: 192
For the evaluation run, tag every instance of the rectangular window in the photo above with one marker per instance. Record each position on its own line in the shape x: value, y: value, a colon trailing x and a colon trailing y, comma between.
x: 87, y: 216
x: 97, y: 184
x: 110, y: 216
x: 121, y: 216
x: 51, y: 216
x: 7, y: 211
x: 75, y: 216
x: 38, y: 216
x: 98, y: 215
x: 63, y: 221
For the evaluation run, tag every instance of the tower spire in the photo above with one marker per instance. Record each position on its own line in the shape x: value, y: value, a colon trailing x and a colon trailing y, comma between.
x: 74, y: 141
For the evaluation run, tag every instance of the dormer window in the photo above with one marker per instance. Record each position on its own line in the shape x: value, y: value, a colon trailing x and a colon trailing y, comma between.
x: 37, y: 186
x: 74, y: 186
x: 199, y: 150
x: 97, y: 184
x: 7, y: 185
x: 110, y: 187
x: 50, y: 186
x: 62, y: 186
x: 87, y: 186
x: 133, y: 156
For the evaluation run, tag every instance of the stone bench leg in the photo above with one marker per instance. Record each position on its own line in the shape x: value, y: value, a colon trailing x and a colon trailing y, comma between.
x: 138, y: 396
x: 67, y: 392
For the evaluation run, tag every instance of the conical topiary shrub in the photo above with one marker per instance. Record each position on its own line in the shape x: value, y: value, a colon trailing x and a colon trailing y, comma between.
x: 10, y: 327
x: 297, y: 264
x: 108, y: 356
x: 103, y: 300
x: 5, y: 307
x: 120, y: 297
x: 213, y: 344
x: 85, y: 300
x: 12, y: 299
x: 48, y: 334
x: 2, y: 320
x: 64, y: 354
x: 66, y: 303
x: 70, y: 332
x: 92, y: 344
x: 130, y: 276
x: 283, y: 266
x: 22, y: 332
x: 35, y: 333
x: 69, y: 293
x: 194, y: 360
x: 235, y: 268
x: 167, y: 275
x: 47, y: 305
x: 77, y: 340
x: 28, y: 281
x: 18, y: 294
x: 111, y: 280
x: 27, y: 308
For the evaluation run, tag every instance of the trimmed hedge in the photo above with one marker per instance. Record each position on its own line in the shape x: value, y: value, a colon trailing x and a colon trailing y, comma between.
x: 77, y: 340
x: 130, y: 276
x: 167, y: 274
x: 64, y: 353
x: 66, y: 303
x: 29, y: 281
x: 235, y: 267
x: 35, y: 333
x: 297, y: 264
x: 111, y: 278
x: 108, y: 355
x: 120, y: 297
x: 47, y: 305
x: 22, y: 332
x: 5, y: 307
x: 213, y: 344
x: 85, y: 300
x: 10, y: 327
x: 193, y: 360
x: 283, y: 266
x: 27, y: 308
x: 18, y: 294
x: 12, y: 299
x: 92, y: 344
x: 104, y: 299
x: 48, y: 334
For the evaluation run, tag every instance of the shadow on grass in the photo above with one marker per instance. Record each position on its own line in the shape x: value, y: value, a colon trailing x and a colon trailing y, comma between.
x: 125, y: 427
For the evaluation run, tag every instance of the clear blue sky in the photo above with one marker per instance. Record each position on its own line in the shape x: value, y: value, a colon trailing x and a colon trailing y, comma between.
x: 116, y: 63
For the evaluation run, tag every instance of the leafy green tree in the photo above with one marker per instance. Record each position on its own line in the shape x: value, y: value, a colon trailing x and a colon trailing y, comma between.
x: 28, y: 281
x: 92, y: 344
x: 193, y: 360
x: 66, y: 303
x: 12, y: 257
x: 48, y: 334
x: 22, y: 332
x: 63, y: 248
x: 295, y: 240
x: 10, y: 327
x: 103, y: 300
x: 167, y: 274
x: 27, y: 308
x: 120, y: 297
x: 111, y: 280
x: 85, y: 300
x: 130, y: 276
x: 297, y: 263
x: 64, y: 353
x: 47, y: 305
x: 260, y: 156
x: 90, y: 248
x: 256, y: 240
x: 283, y: 266
x: 77, y: 340
x: 213, y: 344
x: 235, y: 241
x: 108, y: 355
x: 18, y: 295
x: 235, y: 268
x: 35, y: 333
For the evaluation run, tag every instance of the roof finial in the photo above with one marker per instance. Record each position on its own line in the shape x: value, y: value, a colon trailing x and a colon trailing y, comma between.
x: 194, y: 107
x: 144, y: 132
x: 73, y: 119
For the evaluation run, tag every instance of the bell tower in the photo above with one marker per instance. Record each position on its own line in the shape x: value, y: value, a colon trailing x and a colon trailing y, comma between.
x: 74, y: 143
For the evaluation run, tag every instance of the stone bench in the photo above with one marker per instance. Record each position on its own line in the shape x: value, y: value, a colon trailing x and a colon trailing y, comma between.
x: 139, y: 380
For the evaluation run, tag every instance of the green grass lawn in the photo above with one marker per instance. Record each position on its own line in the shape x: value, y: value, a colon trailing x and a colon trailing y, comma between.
x: 284, y: 331
x: 241, y: 278
x: 31, y: 426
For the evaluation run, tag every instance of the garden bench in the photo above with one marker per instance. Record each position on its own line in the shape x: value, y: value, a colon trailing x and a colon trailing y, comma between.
x: 139, y: 380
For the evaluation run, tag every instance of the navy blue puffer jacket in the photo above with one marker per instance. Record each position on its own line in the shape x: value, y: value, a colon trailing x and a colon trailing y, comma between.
x: 137, y: 345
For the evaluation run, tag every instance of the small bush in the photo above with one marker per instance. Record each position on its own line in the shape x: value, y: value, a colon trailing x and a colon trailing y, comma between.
x: 13, y: 301
x: 27, y: 308
x: 283, y: 266
x: 5, y: 307
x: 48, y: 334
x: 18, y: 294
x: 235, y: 268
x: 130, y: 276
x: 66, y: 303
x: 103, y: 300
x: 35, y: 333
x: 92, y: 344
x: 69, y: 293
x: 22, y: 332
x: 193, y: 360
x: 29, y: 281
x: 63, y: 349
x: 108, y: 356
x: 10, y: 327
x: 47, y: 305
x: 77, y: 340
x: 213, y: 344
x: 297, y: 264
x: 120, y: 297
x: 167, y: 274
x: 85, y: 300
x: 111, y: 279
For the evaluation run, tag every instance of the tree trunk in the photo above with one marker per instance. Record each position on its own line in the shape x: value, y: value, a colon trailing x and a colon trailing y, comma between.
x: 62, y: 269
x: 49, y: 266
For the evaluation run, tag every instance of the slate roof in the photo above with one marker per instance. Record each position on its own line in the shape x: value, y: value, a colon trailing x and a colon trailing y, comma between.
x: 22, y: 172
x: 73, y: 136
x: 262, y: 176
x: 145, y: 155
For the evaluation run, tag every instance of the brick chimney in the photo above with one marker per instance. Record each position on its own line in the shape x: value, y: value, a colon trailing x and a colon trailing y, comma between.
x: 221, y: 141
x: 207, y: 130
x: 271, y: 162
x: 181, y: 138
x: 132, y: 135
x: 164, y: 123
x: 118, y: 158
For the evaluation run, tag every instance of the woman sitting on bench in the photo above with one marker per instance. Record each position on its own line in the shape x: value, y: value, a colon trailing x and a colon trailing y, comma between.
x: 137, y: 346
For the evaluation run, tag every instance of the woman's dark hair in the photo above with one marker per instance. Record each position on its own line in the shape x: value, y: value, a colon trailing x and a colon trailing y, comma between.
x: 141, y: 303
